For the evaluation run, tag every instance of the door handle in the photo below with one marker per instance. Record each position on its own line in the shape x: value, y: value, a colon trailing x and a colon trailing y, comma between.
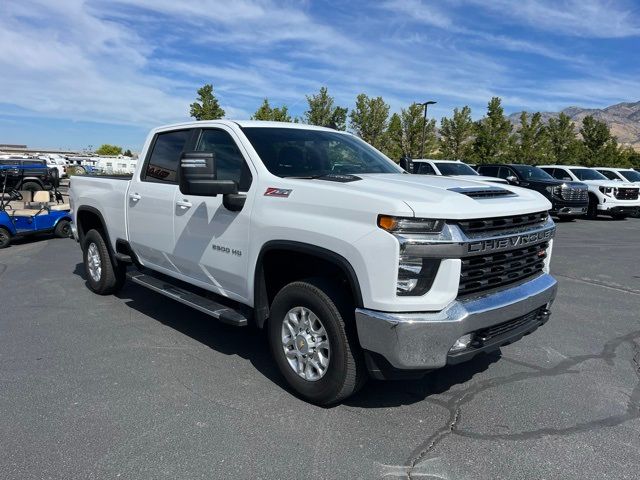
x: 135, y: 196
x: 184, y: 204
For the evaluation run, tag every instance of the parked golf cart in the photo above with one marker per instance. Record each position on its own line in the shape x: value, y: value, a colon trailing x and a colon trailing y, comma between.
x: 37, y: 216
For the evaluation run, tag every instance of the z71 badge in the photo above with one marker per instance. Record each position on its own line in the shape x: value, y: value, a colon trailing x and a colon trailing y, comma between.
x: 277, y: 192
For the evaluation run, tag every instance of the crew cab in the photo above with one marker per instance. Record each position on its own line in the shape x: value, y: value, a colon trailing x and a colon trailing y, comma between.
x: 363, y: 272
x: 568, y: 199
x: 606, y: 197
x: 450, y: 168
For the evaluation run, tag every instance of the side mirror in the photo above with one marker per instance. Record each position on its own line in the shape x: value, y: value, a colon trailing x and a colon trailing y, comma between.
x: 198, y: 176
x: 513, y: 180
x: 406, y: 164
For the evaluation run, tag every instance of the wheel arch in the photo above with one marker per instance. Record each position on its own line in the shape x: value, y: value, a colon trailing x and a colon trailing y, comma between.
x: 89, y: 218
x: 327, y: 260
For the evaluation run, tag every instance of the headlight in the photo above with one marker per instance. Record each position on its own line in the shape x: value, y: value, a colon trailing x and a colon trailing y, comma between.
x: 409, y: 224
x: 556, y: 190
x: 607, y: 190
x: 416, y: 275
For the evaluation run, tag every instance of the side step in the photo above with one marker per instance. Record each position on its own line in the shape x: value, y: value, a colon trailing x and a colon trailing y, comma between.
x: 204, y: 304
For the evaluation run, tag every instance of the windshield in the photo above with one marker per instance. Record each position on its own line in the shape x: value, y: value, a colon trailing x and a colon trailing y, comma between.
x: 587, y: 174
x: 630, y: 175
x: 295, y: 152
x: 453, y: 169
x: 531, y: 173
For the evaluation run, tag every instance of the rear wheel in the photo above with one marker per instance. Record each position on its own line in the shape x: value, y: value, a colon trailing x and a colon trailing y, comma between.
x: 314, y: 342
x: 103, y: 276
x: 5, y: 237
x: 63, y: 229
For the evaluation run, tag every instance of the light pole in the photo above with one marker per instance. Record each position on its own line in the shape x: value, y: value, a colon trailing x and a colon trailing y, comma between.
x: 424, y: 125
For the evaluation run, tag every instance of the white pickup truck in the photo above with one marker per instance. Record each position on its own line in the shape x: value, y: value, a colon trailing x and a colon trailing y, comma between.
x: 354, y: 267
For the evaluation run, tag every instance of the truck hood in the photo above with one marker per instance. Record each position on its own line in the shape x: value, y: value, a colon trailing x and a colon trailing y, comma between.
x: 482, y: 178
x: 609, y: 183
x: 448, y: 197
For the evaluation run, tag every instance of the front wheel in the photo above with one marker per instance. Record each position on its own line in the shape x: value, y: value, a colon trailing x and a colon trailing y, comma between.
x: 103, y: 277
x: 314, y: 343
x: 618, y: 216
x: 5, y: 237
x: 592, y: 209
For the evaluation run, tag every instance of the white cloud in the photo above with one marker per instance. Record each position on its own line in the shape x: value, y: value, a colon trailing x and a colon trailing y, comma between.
x: 581, y: 18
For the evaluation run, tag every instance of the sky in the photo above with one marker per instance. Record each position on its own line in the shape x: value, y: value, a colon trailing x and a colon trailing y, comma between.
x: 76, y: 73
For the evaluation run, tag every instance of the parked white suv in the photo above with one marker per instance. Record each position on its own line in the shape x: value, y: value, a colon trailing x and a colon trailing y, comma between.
x: 353, y: 266
x: 620, y: 174
x: 606, y: 197
x: 451, y: 168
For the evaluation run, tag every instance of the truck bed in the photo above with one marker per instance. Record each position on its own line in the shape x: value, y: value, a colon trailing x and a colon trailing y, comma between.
x: 106, y: 195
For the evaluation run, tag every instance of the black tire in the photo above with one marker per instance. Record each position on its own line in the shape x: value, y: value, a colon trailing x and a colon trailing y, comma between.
x: 618, y: 216
x: 31, y: 187
x: 5, y: 237
x: 63, y: 229
x: 111, y: 277
x: 345, y: 372
x: 592, y: 209
x: 564, y: 218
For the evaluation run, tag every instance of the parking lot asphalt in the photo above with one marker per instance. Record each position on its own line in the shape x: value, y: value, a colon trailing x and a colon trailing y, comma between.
x: 137, y: 386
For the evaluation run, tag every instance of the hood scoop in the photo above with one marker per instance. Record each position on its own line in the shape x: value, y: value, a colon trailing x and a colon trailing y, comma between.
x: 483, y: 192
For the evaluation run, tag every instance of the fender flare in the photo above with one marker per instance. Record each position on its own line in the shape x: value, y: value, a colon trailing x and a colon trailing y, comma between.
x: 261, y: 307
x: 81, y: 232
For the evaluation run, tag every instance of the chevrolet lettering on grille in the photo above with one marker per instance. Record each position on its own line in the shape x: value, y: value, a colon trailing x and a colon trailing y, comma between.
x: 496, y: 244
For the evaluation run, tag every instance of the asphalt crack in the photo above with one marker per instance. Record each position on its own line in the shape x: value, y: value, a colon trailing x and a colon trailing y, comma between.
x: 566, y: 367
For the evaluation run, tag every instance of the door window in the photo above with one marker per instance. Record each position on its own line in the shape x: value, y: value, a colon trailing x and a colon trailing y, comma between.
x: 422, y: 168
x: 230, y: 164
x: 163, y: 162
x: 488, y: 171
x: 609, y: 174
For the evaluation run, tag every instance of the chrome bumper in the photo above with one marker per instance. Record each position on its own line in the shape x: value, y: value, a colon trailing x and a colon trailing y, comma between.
x: 423, y: 340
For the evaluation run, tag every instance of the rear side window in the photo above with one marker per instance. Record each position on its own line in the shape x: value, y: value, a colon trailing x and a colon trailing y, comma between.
x: 609, y: 174
x: 230, y: 164
x: 488, y: 171
x: 422, y: 168
x: 163, y: 162
x: 561, y: 174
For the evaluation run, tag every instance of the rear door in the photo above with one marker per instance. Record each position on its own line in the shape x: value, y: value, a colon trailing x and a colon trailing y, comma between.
x: 150, y: 200
x: 212, y: 242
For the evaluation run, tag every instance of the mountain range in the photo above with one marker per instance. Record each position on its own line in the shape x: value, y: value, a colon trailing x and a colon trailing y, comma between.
x: 622, y: 118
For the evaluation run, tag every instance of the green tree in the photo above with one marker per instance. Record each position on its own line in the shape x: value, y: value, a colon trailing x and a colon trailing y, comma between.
x: 564, y: 146
x: 393, y: 138
x: 127, y: 153
x: 106, y: 149
x: 492, y: 134
x: 323, y: 113
x: 277, y: 114
x: 600, y: 147
x: 530, y: 143
x: 369, y: 120
x: 412, y: 121
x: 206, y: 107
x: 456, y: 135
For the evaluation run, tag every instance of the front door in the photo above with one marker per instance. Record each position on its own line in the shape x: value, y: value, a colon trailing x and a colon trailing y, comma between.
x: 211, y: 242
x: 151, y: 197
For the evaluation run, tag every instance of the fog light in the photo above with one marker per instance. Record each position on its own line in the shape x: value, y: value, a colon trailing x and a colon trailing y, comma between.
x: 462, y: 343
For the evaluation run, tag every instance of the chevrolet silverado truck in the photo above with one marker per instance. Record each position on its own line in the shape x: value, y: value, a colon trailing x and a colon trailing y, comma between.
x: 352, y: 266
x: 606, y: 197
x: 568, y: 199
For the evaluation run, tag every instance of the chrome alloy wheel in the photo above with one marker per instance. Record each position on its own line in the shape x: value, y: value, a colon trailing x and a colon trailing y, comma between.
x: 305, y: 343
x: 94, y: 263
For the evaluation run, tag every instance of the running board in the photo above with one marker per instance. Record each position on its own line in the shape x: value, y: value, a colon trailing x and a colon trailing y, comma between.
x: 205, y: 305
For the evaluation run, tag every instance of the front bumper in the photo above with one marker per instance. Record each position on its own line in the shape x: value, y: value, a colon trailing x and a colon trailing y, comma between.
x: 423, y: 340
x: 561, y: 208
x: 629, y: 210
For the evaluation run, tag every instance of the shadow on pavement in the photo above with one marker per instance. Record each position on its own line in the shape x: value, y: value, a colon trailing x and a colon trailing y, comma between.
x: 251, y: 344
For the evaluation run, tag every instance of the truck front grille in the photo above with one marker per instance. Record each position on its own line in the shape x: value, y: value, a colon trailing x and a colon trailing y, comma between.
x: 627, y: 193
x: 574, y: 194
x: 488, y: 334
x: 498, y: 224
x: 485, y: 272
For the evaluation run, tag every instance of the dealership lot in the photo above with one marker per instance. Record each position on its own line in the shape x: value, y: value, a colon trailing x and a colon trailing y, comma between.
x: 137, y: 386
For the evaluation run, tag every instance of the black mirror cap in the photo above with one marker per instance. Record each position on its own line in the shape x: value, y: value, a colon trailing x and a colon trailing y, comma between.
x: 406, y: 164
x: 208, y: 188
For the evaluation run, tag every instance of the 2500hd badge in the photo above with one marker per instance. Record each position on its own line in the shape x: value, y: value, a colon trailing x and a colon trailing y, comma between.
x: 493, y: 244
